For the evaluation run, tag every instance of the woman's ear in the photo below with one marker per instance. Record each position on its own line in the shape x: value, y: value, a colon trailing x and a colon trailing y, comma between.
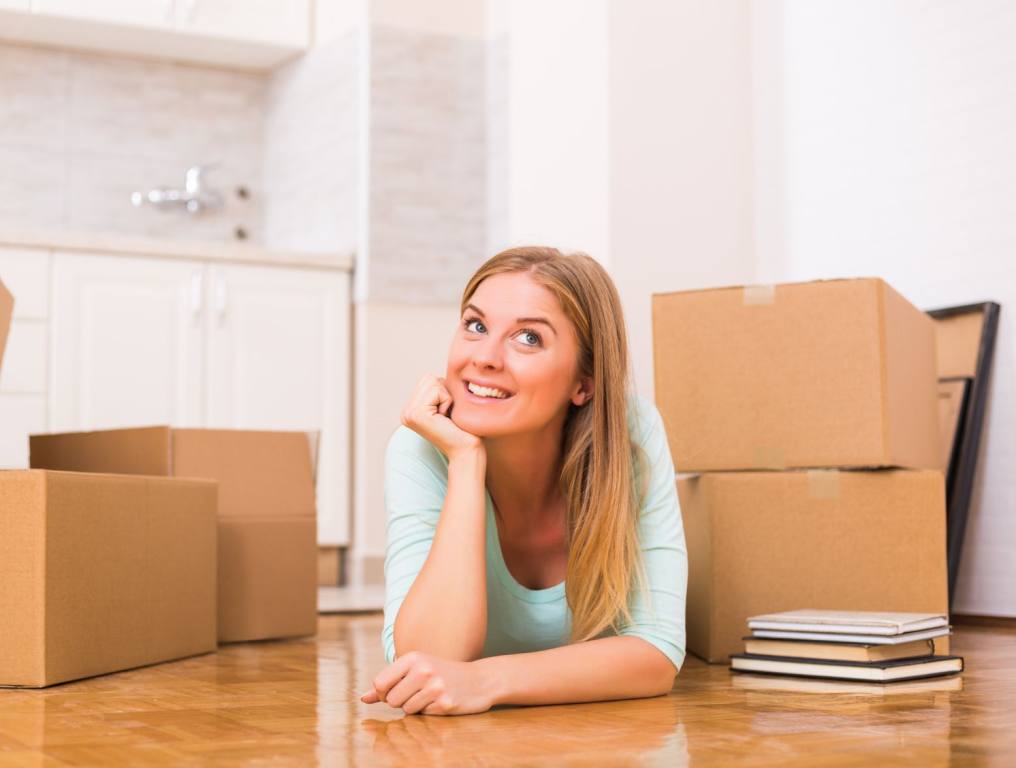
x: 583, y: 392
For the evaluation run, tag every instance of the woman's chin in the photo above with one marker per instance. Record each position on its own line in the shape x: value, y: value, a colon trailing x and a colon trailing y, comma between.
x: 475, y: 425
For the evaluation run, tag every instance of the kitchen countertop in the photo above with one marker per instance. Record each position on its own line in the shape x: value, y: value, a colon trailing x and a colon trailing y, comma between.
x: 138, y: 245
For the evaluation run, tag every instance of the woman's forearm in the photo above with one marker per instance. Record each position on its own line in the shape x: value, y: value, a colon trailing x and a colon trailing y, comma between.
x: 445, y: 611
x: 597, y: 670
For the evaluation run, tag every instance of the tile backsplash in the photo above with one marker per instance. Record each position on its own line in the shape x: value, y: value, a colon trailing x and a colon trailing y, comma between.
x: 80, y: 132
x: 428, y: 164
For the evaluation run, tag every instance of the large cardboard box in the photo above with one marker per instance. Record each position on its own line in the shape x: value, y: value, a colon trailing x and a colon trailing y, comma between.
x: 837, y: 373
x: 762, y: 542
x: 100, y: 573
x: 267, y: 522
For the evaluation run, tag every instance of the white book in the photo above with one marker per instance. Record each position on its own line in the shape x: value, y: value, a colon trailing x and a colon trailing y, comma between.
x: 832, y: 637
x: 855, y: 622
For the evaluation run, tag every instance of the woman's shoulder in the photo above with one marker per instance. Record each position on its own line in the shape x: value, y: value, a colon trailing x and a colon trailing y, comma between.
x: 644, y: 420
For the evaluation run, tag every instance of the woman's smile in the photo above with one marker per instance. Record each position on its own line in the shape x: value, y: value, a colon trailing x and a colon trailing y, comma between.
x: 486, y: 395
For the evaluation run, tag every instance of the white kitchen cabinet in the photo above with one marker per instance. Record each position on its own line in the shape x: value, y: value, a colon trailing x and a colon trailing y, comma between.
x: 282, y: 22
x: 248, y: 34
x: 25, y: 272
x: 139, y: 341
x: 21, y: 415
x: 153, y: 13
x: 126, y: 343
x: 278, y: 358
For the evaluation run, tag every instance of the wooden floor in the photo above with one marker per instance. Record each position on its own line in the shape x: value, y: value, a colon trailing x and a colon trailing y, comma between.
x: 296, y: 703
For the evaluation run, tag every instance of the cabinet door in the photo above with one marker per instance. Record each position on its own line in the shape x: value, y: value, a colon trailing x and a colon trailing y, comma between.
x: 25, y: 272
x: 285, y: 22
x: 155, y: 13
x: 278, y: 358
x: 126, y: 342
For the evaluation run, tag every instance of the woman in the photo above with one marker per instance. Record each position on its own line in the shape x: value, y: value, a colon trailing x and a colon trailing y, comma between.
x: 535, y: 547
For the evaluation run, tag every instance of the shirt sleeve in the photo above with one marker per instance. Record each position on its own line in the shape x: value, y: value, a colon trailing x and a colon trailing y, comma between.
x: 658, y: 611
x: 416, y: 481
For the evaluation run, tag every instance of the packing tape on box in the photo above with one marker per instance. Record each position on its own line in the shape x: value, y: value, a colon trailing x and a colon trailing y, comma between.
x: 768, y: 457
x: 758, y: 295
x: 823, y: 483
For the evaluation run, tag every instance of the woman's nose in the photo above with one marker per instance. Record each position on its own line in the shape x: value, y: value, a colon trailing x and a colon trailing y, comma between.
x: 487, y: 354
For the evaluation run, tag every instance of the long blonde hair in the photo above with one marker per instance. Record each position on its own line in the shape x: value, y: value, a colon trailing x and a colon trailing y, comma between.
x: 597, y: 474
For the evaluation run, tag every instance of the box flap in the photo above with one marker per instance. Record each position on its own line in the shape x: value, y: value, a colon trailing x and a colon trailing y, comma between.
x: 260, y: 474
x: 140, y: 451
x: 6, y: 312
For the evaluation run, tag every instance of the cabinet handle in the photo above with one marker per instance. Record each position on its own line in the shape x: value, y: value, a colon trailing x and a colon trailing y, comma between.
x: 196, y: 294
x: 221, y: 297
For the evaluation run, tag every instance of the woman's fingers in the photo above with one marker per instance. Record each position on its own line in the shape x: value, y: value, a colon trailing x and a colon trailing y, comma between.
x: 406, y: 688
x: 421, y: 699
x: 388, y: 677
x: 370, y: 697
x: 444, y: 400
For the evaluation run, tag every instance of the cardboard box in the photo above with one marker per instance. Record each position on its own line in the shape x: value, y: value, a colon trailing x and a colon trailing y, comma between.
x: 103, y: 572
x: 762, y: 542
x: 267, y: 522
x: 837, y: 373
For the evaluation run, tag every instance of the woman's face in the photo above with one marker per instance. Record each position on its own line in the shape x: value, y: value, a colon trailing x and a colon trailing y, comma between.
x: 513, y: 362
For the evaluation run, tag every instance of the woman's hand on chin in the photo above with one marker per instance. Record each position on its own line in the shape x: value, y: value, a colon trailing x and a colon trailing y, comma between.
x: 426, y: 413
x: 419, y: 682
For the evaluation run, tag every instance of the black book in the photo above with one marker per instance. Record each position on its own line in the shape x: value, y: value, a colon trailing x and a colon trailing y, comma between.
x: 874, y: 671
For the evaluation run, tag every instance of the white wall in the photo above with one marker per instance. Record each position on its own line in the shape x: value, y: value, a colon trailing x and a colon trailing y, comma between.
x: 547, y: 122
x: 884, y: 147
x: 680, y: 155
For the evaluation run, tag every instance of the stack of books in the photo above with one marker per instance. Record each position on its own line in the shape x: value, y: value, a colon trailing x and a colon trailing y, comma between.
x: 847, y: 645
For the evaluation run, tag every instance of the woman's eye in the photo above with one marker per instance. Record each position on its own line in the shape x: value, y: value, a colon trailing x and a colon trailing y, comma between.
x: 478, y: 325
x: 533, y: 336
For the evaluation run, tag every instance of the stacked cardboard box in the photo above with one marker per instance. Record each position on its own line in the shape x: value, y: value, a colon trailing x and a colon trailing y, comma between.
x: 129, y: 547
x: 267, y: 526
x: 101, y: 572
x: 809, y: 413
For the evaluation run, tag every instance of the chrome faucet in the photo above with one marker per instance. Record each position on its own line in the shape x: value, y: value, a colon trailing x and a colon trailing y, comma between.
x: 194, y: 197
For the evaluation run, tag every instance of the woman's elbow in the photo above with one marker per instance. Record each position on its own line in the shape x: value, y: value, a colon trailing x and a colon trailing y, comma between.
x: 665, y: 684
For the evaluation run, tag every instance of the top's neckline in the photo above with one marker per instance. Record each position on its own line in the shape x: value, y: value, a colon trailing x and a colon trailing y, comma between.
x: 554, y: 592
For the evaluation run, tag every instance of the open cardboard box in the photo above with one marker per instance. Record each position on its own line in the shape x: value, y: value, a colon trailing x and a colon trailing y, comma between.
x: 267, y: 526
x: 101, y: 573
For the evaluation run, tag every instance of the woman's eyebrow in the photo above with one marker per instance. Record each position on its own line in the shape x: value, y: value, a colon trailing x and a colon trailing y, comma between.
x: 543, y: 320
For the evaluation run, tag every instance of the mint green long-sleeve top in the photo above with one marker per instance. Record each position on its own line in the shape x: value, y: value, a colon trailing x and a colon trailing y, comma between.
x: 521, y: 619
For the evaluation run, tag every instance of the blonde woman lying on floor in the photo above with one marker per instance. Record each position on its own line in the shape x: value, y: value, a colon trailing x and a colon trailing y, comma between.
x: 535, y: 547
